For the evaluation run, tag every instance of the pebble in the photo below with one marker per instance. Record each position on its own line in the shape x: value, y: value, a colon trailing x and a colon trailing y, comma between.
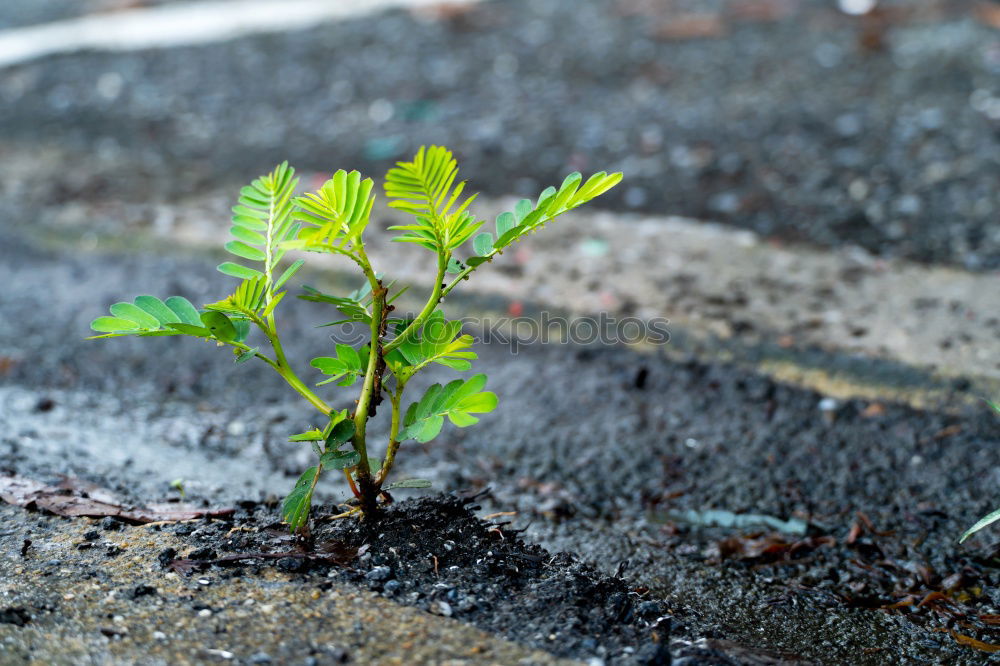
x: 379, y: 574
x: 221, y: 654
x: 205, y: 553
x: 166, y: 556
x: 143, y: 591
x: 293, y: 564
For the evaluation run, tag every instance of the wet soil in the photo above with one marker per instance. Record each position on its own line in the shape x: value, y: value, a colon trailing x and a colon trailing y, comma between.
x: 95, y: 592
x: 789, y: 118
x: 435, y: 554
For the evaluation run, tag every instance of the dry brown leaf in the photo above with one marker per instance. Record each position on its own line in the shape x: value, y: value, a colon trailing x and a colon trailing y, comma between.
x: 75, y: 498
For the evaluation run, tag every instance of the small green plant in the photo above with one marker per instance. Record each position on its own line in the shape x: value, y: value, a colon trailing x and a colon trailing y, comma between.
x: 989, y: 518
x: 269, y: 221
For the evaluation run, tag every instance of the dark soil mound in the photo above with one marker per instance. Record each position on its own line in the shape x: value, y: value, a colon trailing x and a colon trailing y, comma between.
x: 435, y: 554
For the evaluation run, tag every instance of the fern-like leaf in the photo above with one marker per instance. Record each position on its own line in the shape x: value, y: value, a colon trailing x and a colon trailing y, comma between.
x: 261, y: 223
x: 527, y: 217
x: 336, y: 215
x: 248, y: 299
x: 426, y: 189
x: 149, y: 316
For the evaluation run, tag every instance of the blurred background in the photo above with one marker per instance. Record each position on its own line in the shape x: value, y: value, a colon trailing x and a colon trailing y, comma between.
x: 827, y: 122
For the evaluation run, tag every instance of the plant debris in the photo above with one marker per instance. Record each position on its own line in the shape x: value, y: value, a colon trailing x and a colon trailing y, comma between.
x: 75, y: 497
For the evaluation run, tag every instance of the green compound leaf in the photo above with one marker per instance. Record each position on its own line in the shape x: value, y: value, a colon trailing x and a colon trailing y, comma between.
x: 289, y: 272
x: 335, y: 216
x: 457, y: 400
x: 113, y: 325
x: 349, y: 364
x: 483, y: 243
x: 135, y: 314
x: 341, y: 432
x: 439, y: 341
x: 352, y: 306
x: 241, y: 249
x: 262, y: 222
x: 340, y: 459
x: 426, y: 189
x: 186, y: 312
x: 248, y: 299
x: 238, y: 271
x: 221, y: 327
x: 505, y: 222
x: 157, y: 308
x: 314, y: 435
x: 295, y: 508
x: 190, y: 329
x: 149, y: 316
x: 551, y: 203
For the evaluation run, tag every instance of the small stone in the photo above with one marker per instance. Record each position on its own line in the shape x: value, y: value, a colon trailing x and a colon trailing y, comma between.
x: 650, y: 610
x: 220, y: 654
x: 184, y: 529
x: 110, y: 524
x: 204, y: 581
x: 391, y: 587
x: 260, y: 658
x: 205, y: 612
x: 92, y: 535
x: 159, y: 636
x: 15, y: 615
x: 653, y: 654
x: 205, y: 553
x: 45, y: 405
x: 443, y: 608
x: 143, y: 591
x: 379, y: 574
x: 166, y: 556
x: 293, y: 564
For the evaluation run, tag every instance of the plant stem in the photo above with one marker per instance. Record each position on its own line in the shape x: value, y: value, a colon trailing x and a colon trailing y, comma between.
x: 366, y: 487
x: 350, y: 482
x: 429, y: 308
x: 390, y: 453
x: 281, y: 365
